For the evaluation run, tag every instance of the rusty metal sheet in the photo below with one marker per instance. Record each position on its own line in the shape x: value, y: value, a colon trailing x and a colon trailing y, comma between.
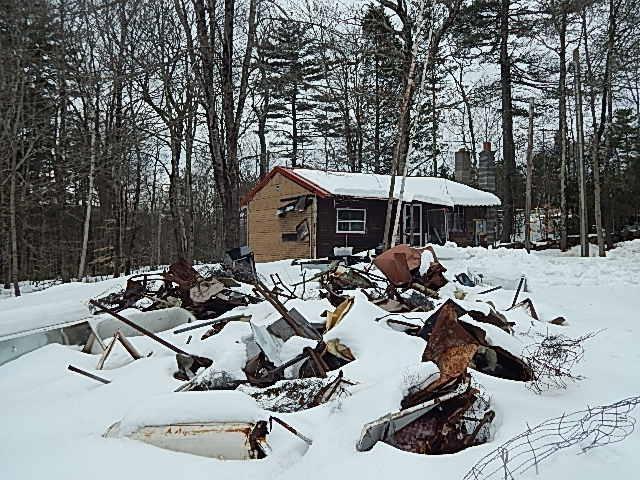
x: 447, y: 333
x: 434, y: 277
x: 182, y: 273
x: 394, y: 265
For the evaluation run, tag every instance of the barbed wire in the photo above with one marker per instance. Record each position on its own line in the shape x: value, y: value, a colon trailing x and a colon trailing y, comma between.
x: 590, y: 428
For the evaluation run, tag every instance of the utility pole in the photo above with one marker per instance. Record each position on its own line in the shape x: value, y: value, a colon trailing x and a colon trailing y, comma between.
x: 527, y: 208
x: 580, y: 155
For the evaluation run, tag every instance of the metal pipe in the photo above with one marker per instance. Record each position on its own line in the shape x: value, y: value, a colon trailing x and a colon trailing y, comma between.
x: 88, y: 375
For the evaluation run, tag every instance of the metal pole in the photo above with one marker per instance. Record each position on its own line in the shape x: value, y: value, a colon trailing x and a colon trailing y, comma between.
x: 88, y: 375
x: 139, y: 328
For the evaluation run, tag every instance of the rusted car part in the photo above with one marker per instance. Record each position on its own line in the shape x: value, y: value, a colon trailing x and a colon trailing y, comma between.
x: 452, y: 426
x: 401, y: 265
x: 455, y: 345
x: 182, y: 273
x: 184, y: 359
x: 222, y: 440
x: 398, y: 262
x: 434, y: 278
x: 493, y: 317
x: 447, y: 423
x: 88, y: 374
x: 449, y: 345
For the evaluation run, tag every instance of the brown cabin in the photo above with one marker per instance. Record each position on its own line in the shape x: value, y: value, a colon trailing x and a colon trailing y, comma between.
x: 303, y: 213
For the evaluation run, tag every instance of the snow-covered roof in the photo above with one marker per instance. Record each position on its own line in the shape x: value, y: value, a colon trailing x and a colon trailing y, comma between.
x: 439, y: 191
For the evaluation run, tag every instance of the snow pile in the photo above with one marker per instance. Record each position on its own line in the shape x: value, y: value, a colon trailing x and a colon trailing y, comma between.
x: 546, y: 268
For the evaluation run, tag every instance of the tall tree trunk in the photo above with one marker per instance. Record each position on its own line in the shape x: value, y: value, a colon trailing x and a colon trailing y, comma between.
x: 93, y: 125
x: 527, y: 210
x: 377, y: 167
x: 177, y: 215
x: 562, y: 114
x: 13, y: 224
x: 294, y: 128
x: 580, y: 155
x: 508, y: 151
x: 399, y: 155
x: 434, y: 123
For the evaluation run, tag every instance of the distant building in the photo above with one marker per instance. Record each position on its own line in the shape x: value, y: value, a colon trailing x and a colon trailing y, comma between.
x: 302, y: 213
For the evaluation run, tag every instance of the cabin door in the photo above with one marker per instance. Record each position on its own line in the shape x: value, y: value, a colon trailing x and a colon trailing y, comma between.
x: 412, y: 231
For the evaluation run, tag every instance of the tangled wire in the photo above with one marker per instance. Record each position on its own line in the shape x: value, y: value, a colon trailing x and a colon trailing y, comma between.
x: 552, y: 361
x: 591, y: 428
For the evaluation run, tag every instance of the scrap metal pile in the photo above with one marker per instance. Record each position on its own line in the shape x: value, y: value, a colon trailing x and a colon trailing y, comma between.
x: 294, y: 359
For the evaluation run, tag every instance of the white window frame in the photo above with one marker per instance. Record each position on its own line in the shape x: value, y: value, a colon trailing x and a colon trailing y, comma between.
x: 364, y: 221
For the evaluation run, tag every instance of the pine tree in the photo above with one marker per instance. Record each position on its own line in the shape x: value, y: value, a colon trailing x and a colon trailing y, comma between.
x: 291, y: 56
x: 383, y: 82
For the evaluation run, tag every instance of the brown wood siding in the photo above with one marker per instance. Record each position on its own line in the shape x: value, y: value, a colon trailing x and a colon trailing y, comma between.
x: 266, y: 227
x: 328, y: 238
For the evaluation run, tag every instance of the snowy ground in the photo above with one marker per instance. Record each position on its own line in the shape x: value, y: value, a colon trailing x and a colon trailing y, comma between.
x: 53, y: 421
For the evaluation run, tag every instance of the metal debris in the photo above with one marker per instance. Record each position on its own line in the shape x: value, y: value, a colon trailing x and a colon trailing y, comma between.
x: 188, y: 364
x: 447, y: 423
x: 88, y: 374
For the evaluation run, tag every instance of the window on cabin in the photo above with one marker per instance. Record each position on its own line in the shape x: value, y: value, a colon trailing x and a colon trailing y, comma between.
x: 351, y: 220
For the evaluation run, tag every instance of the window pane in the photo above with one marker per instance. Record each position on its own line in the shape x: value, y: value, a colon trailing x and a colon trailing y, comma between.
x: 343, y: 226
x: 357, y: 226
x: 351, y: 214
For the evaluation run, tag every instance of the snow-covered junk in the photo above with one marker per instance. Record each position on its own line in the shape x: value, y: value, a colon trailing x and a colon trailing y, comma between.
x: 250, y: 344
